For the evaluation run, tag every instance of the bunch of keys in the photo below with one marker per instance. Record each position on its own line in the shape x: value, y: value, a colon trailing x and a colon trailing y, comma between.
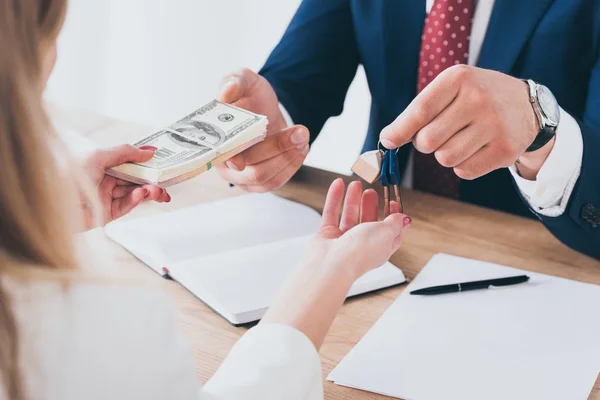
x: 383, y: 166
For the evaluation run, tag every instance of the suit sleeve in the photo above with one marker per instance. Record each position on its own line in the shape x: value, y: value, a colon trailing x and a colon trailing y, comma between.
x: 579, y: 226
x: 315, y: 62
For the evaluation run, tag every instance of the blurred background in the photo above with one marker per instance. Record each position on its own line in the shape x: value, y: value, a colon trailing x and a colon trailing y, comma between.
x: 154, y: 61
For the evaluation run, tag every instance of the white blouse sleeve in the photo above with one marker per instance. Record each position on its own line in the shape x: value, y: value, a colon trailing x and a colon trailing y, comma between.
x: 122, y: 342
x: 146, y: 355
x: 96, y: 342
x: 270, y: 362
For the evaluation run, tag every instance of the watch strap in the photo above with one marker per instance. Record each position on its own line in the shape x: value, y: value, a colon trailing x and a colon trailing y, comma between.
x: 544, y: 136
x: 545, y: 133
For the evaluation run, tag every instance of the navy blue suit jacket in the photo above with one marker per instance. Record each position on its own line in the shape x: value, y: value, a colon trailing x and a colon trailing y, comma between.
x: 554, y: 42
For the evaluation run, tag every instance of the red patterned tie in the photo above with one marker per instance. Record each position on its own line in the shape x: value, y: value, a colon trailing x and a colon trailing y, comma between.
x: 445, y: 42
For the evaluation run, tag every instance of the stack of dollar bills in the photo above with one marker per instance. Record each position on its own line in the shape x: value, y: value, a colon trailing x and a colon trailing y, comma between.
x: 208, y: 136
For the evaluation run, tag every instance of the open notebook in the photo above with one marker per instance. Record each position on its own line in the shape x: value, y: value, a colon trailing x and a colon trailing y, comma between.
x: 234, y: 255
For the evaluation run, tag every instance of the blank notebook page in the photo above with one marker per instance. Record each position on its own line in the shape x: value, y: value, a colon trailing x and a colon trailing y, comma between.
x: 539, y: 340
x: 245, y: 279
x: 248, y: 280
x: 238, y: 222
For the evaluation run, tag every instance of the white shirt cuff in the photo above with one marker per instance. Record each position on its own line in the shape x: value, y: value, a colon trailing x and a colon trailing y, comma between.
x: 286, y: 115
x: 549, y: 194
x: 271, y: 361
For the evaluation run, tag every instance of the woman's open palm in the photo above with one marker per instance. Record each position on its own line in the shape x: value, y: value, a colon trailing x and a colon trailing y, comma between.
x: 352, y: 233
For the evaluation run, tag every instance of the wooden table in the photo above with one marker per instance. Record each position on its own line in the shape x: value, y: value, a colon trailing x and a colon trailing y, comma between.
x: 440, y: 226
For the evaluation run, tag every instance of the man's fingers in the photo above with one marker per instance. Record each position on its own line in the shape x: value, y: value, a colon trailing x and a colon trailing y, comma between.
x: 333, y: 204
x: 369, y: 207
x: 438, y: 95
x: 280, y: 179
x: 108, y: 158
x: 481, y: 163
x: 296, y: 137
x: 231, y: 91
x: 450, y: 121
x: 462, y: 146
x: 236, y: 85
x: 260, y: 174
x: 124, y: 205
x: 351, y: 211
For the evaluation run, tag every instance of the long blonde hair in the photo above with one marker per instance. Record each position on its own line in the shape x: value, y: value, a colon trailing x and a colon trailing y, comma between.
x: 34, y: 212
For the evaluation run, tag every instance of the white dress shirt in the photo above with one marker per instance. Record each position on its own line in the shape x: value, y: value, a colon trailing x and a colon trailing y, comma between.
x: 98, y: 341
x: 549, y: 194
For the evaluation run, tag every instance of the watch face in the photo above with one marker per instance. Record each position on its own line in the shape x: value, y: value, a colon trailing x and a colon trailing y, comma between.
x: 548, y: 104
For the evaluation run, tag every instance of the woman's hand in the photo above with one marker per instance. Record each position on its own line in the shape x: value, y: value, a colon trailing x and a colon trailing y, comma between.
x: 119, y: 197
x: 356, y: 241
x: 344, y: 249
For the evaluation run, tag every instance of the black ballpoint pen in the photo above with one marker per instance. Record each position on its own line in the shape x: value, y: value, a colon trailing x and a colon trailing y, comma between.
x: 462, y: 287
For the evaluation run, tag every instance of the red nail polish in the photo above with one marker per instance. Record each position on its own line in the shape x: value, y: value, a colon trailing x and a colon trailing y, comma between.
x: 166, y: 272
x: 148, y: 148
x: 407, y: 222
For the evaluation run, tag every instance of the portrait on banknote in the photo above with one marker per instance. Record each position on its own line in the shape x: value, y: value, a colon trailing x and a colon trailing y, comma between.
x: 196, y: 133
x: 194, y: 144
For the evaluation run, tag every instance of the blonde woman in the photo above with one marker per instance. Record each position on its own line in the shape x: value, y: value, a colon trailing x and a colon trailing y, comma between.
x: 65, y: 335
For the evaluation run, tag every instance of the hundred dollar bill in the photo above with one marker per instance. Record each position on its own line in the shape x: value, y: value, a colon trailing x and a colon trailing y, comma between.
x: 208, y: 136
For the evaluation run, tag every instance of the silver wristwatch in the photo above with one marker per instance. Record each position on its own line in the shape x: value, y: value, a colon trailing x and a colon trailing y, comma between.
x: 546, y: 111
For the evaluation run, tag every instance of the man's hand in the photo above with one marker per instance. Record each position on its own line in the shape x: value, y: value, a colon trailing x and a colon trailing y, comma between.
x: 268, y: 165
x: 474, y: 120
x: 119, y: 197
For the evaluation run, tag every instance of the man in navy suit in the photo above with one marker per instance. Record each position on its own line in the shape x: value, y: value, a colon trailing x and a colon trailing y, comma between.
x: 499, y: 98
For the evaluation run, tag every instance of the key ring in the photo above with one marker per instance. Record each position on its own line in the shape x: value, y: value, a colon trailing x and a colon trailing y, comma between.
x: 390, y: 177
x: 379, y: 147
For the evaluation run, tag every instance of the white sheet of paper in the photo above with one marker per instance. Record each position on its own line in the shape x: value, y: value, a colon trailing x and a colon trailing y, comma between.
x: 539, y: 340
x: 166, y: 239
x: 246, y: 281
